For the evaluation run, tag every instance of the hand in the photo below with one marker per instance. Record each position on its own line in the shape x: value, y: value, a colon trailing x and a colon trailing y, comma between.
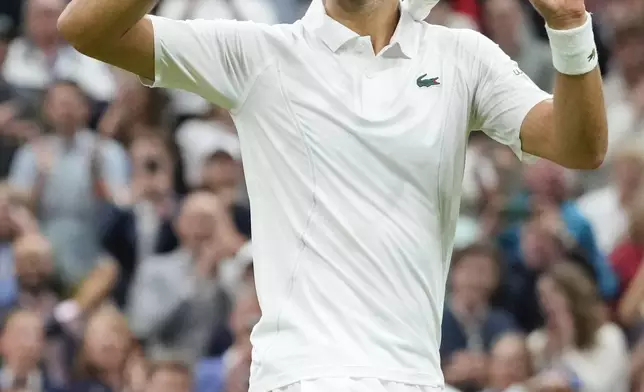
x: 22, y: 221
x: 466, y: 366
x: 208, y: 260
x: 228, y: 238
x: 550, y: 382
x: 562, y: 14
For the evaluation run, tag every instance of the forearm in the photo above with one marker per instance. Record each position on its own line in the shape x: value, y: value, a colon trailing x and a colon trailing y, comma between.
x: 579, y: 117
x: 89, y: 22
x: 97, y: 286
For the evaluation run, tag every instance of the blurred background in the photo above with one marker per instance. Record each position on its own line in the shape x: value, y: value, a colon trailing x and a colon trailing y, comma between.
x: 125, y: 262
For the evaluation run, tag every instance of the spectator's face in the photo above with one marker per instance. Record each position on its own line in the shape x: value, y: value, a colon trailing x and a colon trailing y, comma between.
x: 509, y: 363
x: 34, y: 266
x: 502, y: 19
x: 474, y: 279
x: 197, y: 221
x: 552, y: 300
x: 152, y: 168
x: 546, y: 183
x: 169, y: 380
x: 539, y: 247
x: 107, y: 341
x: 41, y: 19
x: 22, y: 341
x: 221, y: 172
x: 66, y: 109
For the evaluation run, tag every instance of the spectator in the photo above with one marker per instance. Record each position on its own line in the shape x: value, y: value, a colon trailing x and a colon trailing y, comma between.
x: 170, y: 376
x: 177, y: 302
x: 628, y: 262
x: 624, y: 86
x: 37, y: 291
x: 144, y: 226
x: 628, y: 255
x: 15, y: 221
x: 508, y: 26
x: 199, y: 137
x: 104, y: 354
x: 470, y: 323
x: 606, y: 208
x: 222, y: 175
x: 41, y: 56
x: 136, y: 110
x: 64, y: 174
x: 577, y: 343
x: 547, y: 198
x: 510, y: 364
x: 230, y: 372
x: 21, y: 346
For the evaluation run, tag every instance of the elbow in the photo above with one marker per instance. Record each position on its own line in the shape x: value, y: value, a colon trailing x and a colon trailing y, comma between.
x: 594, y: 154
x: 74, y: 32
x: 594, y: 160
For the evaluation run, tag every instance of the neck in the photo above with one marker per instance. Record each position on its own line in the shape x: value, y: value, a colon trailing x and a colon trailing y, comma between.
x: 368, y: 18
x: 465, y: 308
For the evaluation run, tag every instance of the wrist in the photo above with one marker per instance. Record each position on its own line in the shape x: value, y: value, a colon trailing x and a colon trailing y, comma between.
x: 567, y: 22
x: 573, y: 49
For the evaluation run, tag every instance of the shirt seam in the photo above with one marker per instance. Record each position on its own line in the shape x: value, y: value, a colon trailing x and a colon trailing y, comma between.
x: 313, y: 207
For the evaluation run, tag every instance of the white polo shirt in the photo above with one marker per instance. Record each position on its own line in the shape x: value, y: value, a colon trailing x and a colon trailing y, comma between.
x: 354, y: 164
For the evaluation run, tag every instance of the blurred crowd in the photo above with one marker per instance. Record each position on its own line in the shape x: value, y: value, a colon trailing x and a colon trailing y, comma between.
x: 125, y: 253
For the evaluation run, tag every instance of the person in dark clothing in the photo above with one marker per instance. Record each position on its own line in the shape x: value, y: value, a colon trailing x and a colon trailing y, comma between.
x: 470, y: 323
x: 144, y: 226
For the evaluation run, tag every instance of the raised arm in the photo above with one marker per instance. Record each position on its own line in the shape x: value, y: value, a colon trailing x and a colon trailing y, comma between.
x: 216, y: 59
x: 571, y: 129
x: 113, y: 31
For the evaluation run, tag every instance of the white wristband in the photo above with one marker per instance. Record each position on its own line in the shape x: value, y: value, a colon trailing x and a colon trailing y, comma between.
x: 574, y: 51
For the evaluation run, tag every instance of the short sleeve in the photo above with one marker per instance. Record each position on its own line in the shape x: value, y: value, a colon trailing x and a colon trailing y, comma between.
x: 503, y: 94
x: 216, y: 59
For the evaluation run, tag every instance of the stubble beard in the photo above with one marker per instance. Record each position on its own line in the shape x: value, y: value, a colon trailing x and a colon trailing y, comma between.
x: 358, y: 6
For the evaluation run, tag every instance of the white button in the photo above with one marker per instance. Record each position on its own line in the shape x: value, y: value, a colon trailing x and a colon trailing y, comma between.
x: 371, y: 75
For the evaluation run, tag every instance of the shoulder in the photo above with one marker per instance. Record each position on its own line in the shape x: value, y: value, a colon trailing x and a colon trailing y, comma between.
x: 465, y: 43
x: 223, y: 28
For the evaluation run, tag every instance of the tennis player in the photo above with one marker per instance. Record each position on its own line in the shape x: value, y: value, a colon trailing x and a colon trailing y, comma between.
x: 353, y: 125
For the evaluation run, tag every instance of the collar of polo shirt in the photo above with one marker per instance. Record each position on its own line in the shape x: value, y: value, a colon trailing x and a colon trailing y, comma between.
x: 335, y: 35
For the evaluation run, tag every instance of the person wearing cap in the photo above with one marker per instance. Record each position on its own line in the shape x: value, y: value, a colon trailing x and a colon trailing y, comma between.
x: 353, y: 124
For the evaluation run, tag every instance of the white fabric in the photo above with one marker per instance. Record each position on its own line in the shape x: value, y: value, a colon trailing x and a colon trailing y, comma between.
x: 261, y: 11
x: 345, y: 384
x: 607, y: 218
x: 354, y: 164
x: 574, y: 51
